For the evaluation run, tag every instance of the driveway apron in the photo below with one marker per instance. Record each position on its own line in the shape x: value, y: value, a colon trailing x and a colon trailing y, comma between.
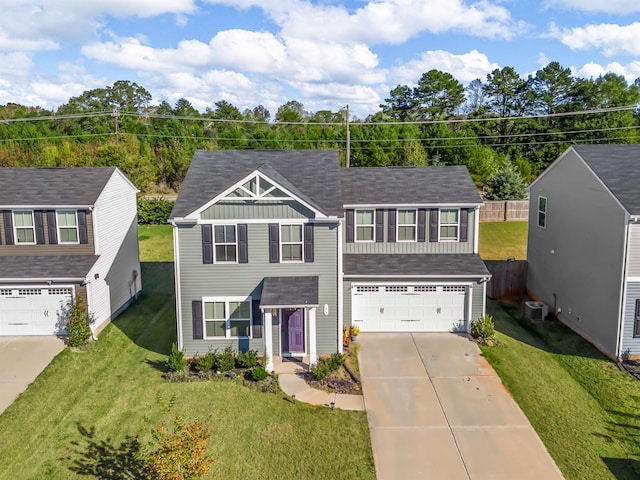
x: 438, y: 410
x: 21, y: 361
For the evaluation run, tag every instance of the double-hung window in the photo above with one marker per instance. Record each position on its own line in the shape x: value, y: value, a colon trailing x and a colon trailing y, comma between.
x: 23, y: 224
x: 542, y: 212
x: 407, y: 225
x: 226, y: 243
x: 67, y: 226
x: 365, y: 225
x: 449, y: 225
x: 227, y: 318
x: 291, y: 243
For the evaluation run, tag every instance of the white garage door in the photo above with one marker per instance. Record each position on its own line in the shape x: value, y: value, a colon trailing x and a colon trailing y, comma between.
x: 409, y: 308
x: 32, y: 311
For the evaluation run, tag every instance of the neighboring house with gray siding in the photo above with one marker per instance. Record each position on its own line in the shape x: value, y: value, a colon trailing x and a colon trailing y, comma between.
x: 276, y: 251
x: 584, y: 244
x: 65, y: 231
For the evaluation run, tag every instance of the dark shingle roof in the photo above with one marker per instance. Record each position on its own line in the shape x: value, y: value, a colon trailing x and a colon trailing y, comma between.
x: 458, y: 265
x: 52, y: 186
x: 312, y: 174
x: 618, y: 166
x: 289, y: 291
x: 46, y: 267
x: 408, y: 185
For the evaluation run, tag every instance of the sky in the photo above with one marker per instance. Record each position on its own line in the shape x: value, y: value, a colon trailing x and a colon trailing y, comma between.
x: 325, y: 54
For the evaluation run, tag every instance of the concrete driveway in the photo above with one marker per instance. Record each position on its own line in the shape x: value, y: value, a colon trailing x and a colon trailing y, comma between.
x: 21, y: 361
x: 438, y: 410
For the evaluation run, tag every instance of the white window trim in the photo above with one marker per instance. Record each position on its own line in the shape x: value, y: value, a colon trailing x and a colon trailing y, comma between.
x: 77, y: 242
x: 227, y: 326
x: 546, y: 205
x: 414, y: 225
x: 372, y: 225
x: 301, y: 242
x: 16, y: 228
x: 440, y: 224
x: 215, y: 244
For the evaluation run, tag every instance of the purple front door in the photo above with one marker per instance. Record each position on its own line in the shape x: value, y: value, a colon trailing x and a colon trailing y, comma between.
x: 293, y: 330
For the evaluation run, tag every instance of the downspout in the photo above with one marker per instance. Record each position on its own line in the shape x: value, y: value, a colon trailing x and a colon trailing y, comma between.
x: 623, y: 290
x: 176, y: 265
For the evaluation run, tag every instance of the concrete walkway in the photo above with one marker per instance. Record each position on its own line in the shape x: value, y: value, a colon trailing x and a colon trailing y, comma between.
x: 292, y: 383
x: 22, y: 359
x: 438, y: 410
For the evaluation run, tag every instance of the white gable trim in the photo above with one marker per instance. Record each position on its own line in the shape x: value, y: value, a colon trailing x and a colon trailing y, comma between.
x: 239, y: 185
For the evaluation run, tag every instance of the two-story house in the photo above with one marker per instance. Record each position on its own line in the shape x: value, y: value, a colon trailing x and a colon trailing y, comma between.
x: 277, y: 251
x: 65, y: 231
x: 583, y: 248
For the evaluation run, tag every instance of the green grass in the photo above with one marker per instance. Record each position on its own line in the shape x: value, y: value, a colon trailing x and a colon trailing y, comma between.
x: 499, y: 240
x: 76, y: 419
x: 156, y: 243
x: 582, y: 406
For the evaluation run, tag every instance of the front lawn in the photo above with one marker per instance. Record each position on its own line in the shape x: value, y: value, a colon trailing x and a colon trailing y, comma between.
x: 500, y: 240
x: 582, y: 406
x: 76, y: 420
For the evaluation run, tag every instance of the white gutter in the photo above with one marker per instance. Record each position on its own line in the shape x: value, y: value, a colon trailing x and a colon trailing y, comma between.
x: 623, y: 290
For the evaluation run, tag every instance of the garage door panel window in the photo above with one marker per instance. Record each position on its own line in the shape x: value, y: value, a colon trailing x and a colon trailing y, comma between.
x: 449, y: 225
x: 24, y: 228
x: 407, y: 225
x: 365, y: 226
x: 227, y: 318
x: 67, y: 226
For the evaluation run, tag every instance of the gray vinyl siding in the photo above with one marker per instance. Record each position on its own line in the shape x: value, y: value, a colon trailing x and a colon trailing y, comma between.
x: 249, y: 210
x: 46, y: 249
x: 477, y: 297
x: 413, y: 247
x: 198, y: 280
x: 575, y: 263
x: 633, y: 252
x: 630, y: 344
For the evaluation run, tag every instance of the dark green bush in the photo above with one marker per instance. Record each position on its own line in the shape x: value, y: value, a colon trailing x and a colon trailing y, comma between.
x: 320, y: 370
x: 335, y: 361
x: 78, y: 323
x: 226, y: 360
x: 205, y: 362
x: 259, y: 373
x: 176, y: 361
x: 248, y: 359
x: 154, y: 211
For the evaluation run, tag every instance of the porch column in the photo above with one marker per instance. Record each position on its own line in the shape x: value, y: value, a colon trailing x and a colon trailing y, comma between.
x: 313, y: 357
x: 268, y: 340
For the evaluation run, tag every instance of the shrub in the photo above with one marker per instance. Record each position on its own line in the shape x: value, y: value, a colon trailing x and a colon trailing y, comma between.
x: 483, y: 328
x: 259, y: 373
x: 176, y: 361
x: 320, y: 370
x: 248, y: 359
x: 177, y: 453
x: 226, y: 360
x: 78, y: 323
x: 205, y: 362
x: 154, y: 211
x: 335, y: 361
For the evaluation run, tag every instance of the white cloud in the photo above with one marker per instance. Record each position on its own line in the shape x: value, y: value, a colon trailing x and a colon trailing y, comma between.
x: 15, y: 64
x: 630, y: 71
x: 612, y: 39
x: 604, y: 6
x: 385, y: 21
x: 464, y: 68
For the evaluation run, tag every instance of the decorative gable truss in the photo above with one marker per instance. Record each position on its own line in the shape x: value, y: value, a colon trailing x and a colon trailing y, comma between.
x: 258, y: 188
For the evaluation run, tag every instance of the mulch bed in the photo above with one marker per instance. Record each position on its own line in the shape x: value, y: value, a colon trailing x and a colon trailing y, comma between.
x: 633, y: 367
x: 337, y: 382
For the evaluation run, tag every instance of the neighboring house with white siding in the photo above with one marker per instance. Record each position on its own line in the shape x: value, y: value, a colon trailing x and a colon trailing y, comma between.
x: 65, y: 231
x: 584, y: 244
x: 278, y: 250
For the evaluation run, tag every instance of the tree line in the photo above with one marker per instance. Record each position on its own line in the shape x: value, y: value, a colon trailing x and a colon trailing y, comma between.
x: 504, y: 128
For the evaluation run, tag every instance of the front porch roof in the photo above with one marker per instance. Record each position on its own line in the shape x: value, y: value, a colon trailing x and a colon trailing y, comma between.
x: 415, y: 265
x: 288, y: 292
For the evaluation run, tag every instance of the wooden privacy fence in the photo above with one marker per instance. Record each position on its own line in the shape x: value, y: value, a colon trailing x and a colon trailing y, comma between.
x: 508, y: 278
x: 504, y: 211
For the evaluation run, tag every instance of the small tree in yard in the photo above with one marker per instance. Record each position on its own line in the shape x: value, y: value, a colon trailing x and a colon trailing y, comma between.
x: 483, y: 329
x: 506, y: 184
x: 177, y: 453
x: 78, y: 323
